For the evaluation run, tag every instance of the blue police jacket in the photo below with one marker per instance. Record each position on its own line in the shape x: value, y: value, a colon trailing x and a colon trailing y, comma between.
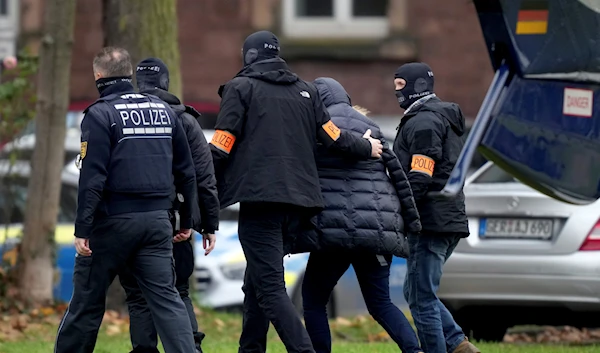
x: 133, y: 152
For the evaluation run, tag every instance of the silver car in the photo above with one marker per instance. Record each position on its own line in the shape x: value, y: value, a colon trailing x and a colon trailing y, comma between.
x: 529, y: 259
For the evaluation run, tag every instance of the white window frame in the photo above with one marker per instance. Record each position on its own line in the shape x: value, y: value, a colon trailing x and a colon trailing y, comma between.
x: 9, y: 28
x: 8, y: 21
x: 341, y: 25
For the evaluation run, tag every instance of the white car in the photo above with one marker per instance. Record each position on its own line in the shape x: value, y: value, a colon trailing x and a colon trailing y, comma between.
x: 219, y: 276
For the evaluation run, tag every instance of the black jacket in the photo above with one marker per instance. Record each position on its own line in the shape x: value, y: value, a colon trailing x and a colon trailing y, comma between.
x: 428, y: 145
x: 206, y: 213
x: 266, y: 136
x: 365, y: 209
x: 133, y: 151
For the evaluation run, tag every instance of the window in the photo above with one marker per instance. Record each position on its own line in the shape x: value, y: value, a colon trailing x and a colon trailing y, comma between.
x: 494, y: 174
x: 369, y: 8
x: 13, y: 198
x: 9, y: 24
x: 335, y: 18
x: 3, y: 7
x: 73, y: 121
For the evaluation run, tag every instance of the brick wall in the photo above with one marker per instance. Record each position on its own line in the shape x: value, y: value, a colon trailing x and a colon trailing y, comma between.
x: 211, y: 33
x: 450, y: 40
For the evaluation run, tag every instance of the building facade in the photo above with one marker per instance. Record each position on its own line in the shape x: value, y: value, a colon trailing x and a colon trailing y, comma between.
x: 358, y: 42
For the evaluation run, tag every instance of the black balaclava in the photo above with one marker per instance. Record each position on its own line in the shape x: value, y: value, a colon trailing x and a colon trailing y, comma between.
x: 152, y: 73
x: 259, y: 46
x: 419, y: 83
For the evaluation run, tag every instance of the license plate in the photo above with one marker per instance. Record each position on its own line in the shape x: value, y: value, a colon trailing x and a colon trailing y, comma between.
x: 516, y: 228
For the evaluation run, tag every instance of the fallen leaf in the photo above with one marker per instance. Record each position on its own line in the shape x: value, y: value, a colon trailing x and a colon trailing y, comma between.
x: 113, y: 330
x: 343, y: 322
x: 361, y: 319
x: 47, y: 311
x: 19, y: 322
x: 61, y: 307
x: 10, y: 256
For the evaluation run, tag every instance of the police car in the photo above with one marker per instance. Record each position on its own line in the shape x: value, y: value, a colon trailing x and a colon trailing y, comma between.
x: 14, y: 179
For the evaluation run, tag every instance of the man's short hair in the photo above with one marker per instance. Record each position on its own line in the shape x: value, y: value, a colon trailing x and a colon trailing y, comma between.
x: 113, y: 62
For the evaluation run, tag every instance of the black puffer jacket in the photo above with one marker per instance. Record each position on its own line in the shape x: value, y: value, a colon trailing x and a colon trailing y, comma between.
x: 365, y: 209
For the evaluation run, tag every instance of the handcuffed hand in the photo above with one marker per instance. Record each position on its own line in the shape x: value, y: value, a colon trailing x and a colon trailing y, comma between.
x: 376, y: 146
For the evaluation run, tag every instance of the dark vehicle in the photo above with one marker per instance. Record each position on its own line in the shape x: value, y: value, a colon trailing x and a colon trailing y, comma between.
x: 531, y: 259
x: 539, y: 120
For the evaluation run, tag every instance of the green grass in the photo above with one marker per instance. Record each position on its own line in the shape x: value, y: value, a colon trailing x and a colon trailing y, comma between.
x: 351, y: 336
x: 106, y: 345
x: 121, y: 344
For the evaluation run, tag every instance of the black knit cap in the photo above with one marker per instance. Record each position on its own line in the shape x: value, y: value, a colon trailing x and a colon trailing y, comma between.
x: 152, y: 73
x: 259, y: 46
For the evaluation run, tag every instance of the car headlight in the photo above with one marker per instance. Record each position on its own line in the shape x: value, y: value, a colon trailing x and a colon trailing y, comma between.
x: 234, y: 271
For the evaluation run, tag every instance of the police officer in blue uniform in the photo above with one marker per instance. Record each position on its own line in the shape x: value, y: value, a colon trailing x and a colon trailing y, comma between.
x: 133, y: 152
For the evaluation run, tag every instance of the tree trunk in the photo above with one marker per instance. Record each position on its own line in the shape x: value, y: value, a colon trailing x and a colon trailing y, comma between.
x: 146, y: 28
x: 37, y: 247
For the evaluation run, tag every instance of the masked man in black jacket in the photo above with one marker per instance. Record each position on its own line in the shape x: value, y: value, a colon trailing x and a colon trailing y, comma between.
x: 152, y: 76
x: 428, y: 144
x: 264, y: 154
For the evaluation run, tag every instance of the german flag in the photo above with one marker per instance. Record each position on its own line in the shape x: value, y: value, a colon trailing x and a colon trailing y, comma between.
x: 533, y: 17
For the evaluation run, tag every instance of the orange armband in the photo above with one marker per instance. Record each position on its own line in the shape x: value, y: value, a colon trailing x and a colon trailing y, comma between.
x: 223, y: 140
x: 332, y: 130
x: 422, y: 164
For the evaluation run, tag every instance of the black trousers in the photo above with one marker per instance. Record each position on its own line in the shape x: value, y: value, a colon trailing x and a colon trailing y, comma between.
x: 262, y: 229
x: 142, y: 329
x: 143, y: 242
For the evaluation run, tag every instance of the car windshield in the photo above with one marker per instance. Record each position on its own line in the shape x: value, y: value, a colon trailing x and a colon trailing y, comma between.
x: 13, y: 198
x: 73, y: 121
x: 494, y: 174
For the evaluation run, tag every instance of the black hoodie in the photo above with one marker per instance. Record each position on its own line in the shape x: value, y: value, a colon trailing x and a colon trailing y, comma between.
x: 266, y: 135
x: 428, y: 145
